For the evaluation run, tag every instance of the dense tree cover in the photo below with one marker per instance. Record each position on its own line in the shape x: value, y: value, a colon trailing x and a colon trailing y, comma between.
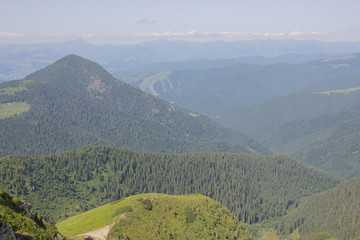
x: 75, y: 102
x: 320, y: 129
x: 159, y: 216
x: 254, y: 188
x: 274, y: 112
x: 335, y: 211
x: 24, y: 222
x: 330, y: 142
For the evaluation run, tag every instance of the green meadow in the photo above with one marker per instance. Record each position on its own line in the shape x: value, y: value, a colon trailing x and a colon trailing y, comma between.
x: 10, y: 109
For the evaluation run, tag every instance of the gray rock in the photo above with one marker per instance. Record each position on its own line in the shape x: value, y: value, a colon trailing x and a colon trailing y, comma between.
x: 6, y: 231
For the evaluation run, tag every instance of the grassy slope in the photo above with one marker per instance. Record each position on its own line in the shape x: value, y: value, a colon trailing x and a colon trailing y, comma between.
x: 184, y: 217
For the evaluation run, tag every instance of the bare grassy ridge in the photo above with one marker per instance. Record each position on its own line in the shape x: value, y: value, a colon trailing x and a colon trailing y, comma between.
x: 181, y: 217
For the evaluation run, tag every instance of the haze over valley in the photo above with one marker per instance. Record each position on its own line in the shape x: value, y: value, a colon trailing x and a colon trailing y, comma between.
x: 183, y: 120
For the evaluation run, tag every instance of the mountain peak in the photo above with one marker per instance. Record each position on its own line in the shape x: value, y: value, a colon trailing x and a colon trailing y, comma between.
x: 73, y: 69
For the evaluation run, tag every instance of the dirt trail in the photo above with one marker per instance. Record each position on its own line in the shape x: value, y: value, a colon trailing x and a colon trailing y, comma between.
x: 98, y: 234
x: 101, y: 233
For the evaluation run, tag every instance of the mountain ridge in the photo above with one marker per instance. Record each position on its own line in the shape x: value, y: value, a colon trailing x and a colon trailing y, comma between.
x: 74, y: 102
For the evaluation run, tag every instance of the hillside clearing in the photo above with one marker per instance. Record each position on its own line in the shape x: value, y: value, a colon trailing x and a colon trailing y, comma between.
x: 9, y: 109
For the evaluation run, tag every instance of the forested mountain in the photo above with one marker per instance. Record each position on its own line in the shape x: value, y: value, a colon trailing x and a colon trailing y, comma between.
x: 255, y: 188
x: 75, y: 102
x: 158, y: 216
x: 19, y: 60
x: 335, y: 211
x: 18, y: 221
x: 214, y: 89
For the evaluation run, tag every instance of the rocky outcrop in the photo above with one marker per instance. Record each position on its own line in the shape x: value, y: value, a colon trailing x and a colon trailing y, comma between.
x: 6, y: 231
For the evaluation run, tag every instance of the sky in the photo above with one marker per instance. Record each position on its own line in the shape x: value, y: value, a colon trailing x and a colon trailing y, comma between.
x: 129, y: 22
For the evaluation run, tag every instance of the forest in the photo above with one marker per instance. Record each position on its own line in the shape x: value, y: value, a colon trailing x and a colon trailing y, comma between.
x: 254, y: 188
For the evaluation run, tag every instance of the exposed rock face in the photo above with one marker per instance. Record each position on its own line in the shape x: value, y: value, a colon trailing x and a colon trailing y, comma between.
x: 6, y: 231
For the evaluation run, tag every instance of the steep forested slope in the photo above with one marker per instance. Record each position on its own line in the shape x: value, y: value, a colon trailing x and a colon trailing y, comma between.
x: 256, y: 118
x: 335, y: 211
x: 254, y: 188
x: 159, y: 216
x: 74, y: 102
x: 321, y: 129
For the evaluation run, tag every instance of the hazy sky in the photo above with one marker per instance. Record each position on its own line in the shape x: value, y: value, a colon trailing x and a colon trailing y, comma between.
x: 118, y: 22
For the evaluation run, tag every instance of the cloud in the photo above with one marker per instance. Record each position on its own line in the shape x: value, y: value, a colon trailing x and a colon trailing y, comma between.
x: 280, y: 34
x: 269, y: 34
x: 239, y: 34
x: 88, y: 35
x: 301, y: 34
x: 148, y: 21
x: 10, y: 35
x: 168, y: 34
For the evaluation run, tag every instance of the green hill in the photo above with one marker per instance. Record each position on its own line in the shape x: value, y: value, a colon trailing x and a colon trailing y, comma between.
x: 17, y: 220
x: 154, y: 215
x: 254, y: 188
x: 75, y: 102
x: 335, y: 211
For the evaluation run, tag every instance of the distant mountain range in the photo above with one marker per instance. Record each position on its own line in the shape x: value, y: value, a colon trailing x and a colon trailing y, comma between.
x: 213, y: 89
x: 19, y: 60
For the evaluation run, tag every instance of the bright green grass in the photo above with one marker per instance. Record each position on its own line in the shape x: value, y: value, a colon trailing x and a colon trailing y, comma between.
x: 269, y: 235
x: 340, y: 91
x: 150, y: 80
x: 191, y: 216
x: 93, y: 219
x: 13, y: 90
x: 10, y: 109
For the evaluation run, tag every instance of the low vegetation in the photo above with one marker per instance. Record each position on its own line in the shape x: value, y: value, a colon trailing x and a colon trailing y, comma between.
x: 24, y: 222
x: 170, y: 217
